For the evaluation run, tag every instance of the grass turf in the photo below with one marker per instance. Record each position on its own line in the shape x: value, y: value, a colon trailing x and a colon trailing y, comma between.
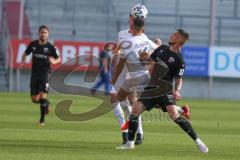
x: 216, y: 122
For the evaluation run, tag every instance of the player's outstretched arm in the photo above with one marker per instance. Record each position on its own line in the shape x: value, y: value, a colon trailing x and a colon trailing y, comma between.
x: 158, y: 42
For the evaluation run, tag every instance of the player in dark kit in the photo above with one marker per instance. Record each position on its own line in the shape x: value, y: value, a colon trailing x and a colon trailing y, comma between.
x: 43, y: 53
x: 168, y: 58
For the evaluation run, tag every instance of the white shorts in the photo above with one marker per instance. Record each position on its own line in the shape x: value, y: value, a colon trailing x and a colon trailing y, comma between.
x: 118, y: 84
x: 136, y: 84
x: 122, y: 77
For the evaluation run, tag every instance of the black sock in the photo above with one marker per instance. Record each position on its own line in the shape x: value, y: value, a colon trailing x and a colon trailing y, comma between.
x: 43, y: 104
x: 187, y: 127
x: 133, y: 125
x: 42, y: 114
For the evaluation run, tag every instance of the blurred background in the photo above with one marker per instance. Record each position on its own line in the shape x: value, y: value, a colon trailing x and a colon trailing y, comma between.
x: 81, y: 27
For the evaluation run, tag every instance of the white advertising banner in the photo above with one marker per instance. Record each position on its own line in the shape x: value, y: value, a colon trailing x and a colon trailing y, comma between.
x: 224, y: 62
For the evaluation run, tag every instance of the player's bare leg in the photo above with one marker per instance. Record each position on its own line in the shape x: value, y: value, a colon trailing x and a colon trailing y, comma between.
x: 35, y: 98
x: 186, y: 126
x: 122, y: 94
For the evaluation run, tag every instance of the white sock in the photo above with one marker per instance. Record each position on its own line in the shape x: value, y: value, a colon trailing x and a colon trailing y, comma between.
x: 140, y: 129
x: 180, y: 110
x: 118, y: 113
x: 130, y: 143
x: 126, y: 105
x: 198, y: 141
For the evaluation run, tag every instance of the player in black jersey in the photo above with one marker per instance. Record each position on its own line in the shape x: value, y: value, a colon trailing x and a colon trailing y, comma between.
x: 43, y: 54
x: 167, y: 58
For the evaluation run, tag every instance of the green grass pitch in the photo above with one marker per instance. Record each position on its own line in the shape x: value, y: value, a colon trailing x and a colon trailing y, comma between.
x: 216, y: 122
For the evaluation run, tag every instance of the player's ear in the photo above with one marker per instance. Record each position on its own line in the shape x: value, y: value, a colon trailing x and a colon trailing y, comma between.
x: 182, y: 41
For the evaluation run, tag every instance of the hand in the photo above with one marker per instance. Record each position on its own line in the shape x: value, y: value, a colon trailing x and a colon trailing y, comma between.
x: 144, y: 57
x: 158, y: 41
x: 176, y: 95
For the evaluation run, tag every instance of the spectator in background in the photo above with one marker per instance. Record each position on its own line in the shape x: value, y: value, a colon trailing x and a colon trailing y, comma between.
x: 105, y: 69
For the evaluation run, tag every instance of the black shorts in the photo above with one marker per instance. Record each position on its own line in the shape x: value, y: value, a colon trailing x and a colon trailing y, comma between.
x: 39, y: 83
x: 158, y: 102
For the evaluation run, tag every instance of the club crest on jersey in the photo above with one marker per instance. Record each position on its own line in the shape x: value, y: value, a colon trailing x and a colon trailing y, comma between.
x: 45, y: 50
x: 34, y: 48
x: 171, y: 60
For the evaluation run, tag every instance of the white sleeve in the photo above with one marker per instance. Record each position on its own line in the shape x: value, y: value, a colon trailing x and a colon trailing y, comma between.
x: 152, y: 46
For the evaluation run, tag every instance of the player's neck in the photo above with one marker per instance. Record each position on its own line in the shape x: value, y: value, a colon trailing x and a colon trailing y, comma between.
x: 175, y: 49
x: 136, y: 33
x: 42, y: 42
x: 130, y: 29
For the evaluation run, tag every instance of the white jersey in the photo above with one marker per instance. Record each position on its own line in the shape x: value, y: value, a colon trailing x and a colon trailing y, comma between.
x: 126, y: 35
x: 138, y: 44
x: 123, y: 36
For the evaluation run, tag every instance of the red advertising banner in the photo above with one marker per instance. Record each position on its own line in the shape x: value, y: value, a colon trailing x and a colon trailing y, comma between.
x: 74, y: 55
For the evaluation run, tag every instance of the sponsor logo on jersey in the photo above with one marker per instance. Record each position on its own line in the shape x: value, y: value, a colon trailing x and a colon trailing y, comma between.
x: 46, y: 86
x: 171, y: 60
x: 181, y: 72
x: 40, y: 56
x: 45, y: 50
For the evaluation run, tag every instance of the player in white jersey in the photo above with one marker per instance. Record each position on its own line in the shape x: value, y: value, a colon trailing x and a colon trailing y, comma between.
x: 132, y: 49
x: 137, y: 11
x: 124, y: 35
x: 127, y: 71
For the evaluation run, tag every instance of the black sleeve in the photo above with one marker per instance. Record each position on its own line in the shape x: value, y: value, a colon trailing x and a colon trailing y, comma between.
x: 180, y: 69
x: 155, y: 52
x: 28, y: 50
x: 54, y: 52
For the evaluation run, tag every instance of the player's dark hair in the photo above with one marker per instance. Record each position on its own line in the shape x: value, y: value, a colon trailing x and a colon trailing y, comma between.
x: 183, y: 33
x: 42, y: 27
x: 138, y: 23
x: 106, y: 46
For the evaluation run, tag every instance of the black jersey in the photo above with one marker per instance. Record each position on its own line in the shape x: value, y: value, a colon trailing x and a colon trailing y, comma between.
x: 173, y: 64
x: 40, y: 56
